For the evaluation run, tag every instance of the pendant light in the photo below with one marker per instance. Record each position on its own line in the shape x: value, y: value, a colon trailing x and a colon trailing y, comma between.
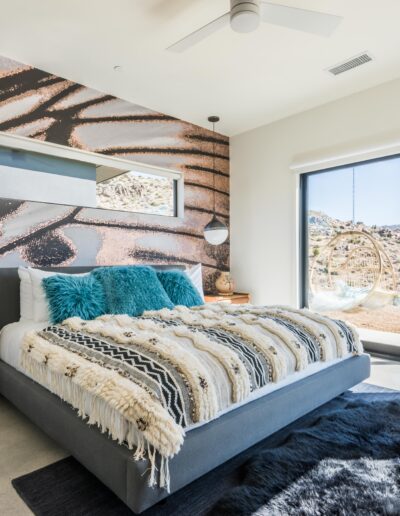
x: 216, y: 231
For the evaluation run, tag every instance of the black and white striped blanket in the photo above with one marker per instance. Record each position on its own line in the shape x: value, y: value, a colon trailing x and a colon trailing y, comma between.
x: 147, y: 379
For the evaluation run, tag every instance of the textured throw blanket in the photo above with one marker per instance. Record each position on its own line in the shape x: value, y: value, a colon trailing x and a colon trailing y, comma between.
x: 145, y: 379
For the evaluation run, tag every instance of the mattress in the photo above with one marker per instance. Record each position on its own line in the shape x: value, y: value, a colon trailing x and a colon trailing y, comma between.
x: 11, y: 337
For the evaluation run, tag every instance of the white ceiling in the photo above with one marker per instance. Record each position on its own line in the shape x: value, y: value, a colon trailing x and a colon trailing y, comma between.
x: 247, y: 79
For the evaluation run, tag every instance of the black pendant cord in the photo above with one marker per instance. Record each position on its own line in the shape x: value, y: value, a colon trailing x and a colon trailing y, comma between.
x: 214, y: 120
x: 214, y: 166
x: 214, y: 215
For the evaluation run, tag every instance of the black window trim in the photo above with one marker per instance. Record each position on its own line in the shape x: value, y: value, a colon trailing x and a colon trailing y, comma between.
x: 303, y: 219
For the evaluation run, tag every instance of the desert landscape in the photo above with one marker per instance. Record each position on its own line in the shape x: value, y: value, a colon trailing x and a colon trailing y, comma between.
x: 136, y: 192
x: 370, y: 285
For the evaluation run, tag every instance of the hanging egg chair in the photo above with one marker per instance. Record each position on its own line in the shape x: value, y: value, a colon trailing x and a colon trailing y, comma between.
x: 352, y: 269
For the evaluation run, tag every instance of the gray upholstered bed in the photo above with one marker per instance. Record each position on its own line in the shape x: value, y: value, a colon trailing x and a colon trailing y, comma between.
x: 114, y: 465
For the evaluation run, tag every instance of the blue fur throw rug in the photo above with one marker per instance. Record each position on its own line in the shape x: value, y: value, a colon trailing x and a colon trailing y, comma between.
x: 344, y: 462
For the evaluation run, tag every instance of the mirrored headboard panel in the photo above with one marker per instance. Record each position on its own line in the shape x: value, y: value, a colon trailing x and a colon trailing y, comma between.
x: 115, y: 185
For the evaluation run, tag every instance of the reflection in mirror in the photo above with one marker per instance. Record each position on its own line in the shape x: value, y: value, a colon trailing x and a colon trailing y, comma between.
x: 33, y: 176
x: 134, y: 191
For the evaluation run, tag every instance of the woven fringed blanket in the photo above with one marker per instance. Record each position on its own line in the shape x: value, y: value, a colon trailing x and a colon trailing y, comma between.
x: 144, y: 380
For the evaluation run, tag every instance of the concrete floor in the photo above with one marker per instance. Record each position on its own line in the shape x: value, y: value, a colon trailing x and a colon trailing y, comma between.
x: 24, y: 448
x: 385, y: 372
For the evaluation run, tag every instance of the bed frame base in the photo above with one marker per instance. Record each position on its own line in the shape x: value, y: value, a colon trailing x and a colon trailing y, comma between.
x: 204, y: 448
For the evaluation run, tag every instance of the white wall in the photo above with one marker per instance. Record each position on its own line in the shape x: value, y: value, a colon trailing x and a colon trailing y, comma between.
x: 264, y: 207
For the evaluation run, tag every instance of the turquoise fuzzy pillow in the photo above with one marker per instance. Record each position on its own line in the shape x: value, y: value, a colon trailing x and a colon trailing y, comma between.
x: 70, y: 296
x: 179, y: 288
x: 132, y: 289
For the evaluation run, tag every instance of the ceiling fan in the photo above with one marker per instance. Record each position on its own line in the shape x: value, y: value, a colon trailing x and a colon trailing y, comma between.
x: 245, y: 16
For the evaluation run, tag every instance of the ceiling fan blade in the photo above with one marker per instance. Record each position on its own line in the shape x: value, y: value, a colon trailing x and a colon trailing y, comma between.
x: 300, y: 19
x: 200, y: 34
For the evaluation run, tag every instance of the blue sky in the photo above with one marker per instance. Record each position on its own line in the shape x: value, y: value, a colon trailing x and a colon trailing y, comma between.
x: 377, y: 193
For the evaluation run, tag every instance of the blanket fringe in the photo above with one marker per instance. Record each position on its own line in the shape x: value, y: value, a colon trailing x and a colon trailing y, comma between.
x: 95, y: 411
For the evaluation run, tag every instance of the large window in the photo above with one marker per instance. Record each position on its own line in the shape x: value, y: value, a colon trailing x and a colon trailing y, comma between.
x: 351, y: 243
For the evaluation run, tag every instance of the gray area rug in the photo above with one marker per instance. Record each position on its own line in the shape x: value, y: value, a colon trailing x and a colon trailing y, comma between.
x: 341, y: 459
x: 344, y: 462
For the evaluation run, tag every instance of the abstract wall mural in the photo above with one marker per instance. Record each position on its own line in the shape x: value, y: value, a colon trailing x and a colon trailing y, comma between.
x: 39, y: 105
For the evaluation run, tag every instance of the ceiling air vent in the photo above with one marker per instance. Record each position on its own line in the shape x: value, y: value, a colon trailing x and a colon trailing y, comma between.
x: 350, y: 64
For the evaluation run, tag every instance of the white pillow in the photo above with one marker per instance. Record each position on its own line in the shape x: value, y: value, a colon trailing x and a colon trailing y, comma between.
x: 195, y: 273
x: 40, y: 307
x: 25, y: 294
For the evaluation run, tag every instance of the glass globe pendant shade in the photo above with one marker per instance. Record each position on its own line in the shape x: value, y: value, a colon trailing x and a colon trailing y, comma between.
x: 215, y: 232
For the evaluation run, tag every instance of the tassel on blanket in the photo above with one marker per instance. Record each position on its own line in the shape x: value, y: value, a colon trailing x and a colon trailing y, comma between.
x: 164, y: 473
x: 151, y: 453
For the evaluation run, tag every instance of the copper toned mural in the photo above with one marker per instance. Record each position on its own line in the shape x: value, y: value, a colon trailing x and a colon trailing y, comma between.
x: 40, y: 105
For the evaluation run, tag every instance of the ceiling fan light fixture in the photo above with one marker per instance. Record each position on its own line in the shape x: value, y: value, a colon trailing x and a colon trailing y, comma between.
x: 245, y: 16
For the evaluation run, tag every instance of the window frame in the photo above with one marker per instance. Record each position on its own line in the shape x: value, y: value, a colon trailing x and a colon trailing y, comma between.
x: 378, y: 341
x: 303, y: 219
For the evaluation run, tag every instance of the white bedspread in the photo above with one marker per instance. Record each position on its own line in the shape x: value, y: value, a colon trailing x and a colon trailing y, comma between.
x: 11, y: 337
